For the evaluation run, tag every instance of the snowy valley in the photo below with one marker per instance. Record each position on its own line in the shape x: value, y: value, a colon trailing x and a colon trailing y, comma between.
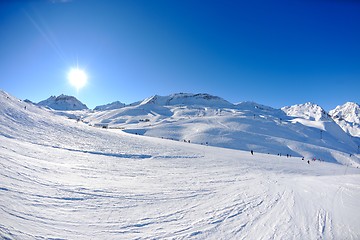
x: 178, y: 167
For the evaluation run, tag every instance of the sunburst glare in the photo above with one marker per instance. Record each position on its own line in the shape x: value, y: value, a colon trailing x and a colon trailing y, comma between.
x: 77, y: 78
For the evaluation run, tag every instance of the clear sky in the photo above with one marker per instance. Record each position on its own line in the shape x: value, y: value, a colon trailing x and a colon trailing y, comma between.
x: 275, y: 52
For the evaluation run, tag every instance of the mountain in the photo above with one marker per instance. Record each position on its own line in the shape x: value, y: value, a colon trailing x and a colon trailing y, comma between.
x: 29, y: 101
x: 189, y: 99
x: 309, y: 111
x: 63, y: 103
x: 110, y: 106
x: 349, y: 112
x: 348, y: 117
x: 299, y: 130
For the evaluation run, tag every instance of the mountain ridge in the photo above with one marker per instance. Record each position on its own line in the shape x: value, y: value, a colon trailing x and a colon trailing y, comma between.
x: 179, y: 99
x: 110, y: 106
x: 246, y: 126
x: 63, y: 103
x: 347, y: 116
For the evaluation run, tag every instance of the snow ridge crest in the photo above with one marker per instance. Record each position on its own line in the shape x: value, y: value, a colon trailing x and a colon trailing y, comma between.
x: 110, y: 106
x: 199, y: 99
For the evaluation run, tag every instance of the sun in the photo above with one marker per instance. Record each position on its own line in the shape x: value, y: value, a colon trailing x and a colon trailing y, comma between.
x: 77, y: 77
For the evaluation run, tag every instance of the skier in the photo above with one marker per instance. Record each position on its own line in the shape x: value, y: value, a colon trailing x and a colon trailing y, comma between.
x: 252, y: 152
x: 308, y: 162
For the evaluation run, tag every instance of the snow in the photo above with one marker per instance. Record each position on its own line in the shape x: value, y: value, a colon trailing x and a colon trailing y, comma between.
x: 62, y: 179
x: 350, y: 112
x: 347, y: 117
x: 308, y: 111
x: 201, y: 99
x: 293, y: 130
x: 110, y: 106
x: 63, y: 102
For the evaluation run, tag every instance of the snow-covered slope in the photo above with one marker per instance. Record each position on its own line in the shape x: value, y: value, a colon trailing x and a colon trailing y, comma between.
x: 348, y: 117
x: 302, y: 130
x: 188, y: 99
x: 63, y: 103
x: 60, y: 179
x: 110, y: 106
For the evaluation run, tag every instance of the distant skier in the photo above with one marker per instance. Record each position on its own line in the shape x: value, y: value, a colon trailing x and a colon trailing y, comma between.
x: 302, y: 158
x: 252, y: 152
x: 308, y: 161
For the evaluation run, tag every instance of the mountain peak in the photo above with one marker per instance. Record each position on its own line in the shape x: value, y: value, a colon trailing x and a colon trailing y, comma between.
x: 309, y: 110
x: 63, y: 102
x: 349, y: 112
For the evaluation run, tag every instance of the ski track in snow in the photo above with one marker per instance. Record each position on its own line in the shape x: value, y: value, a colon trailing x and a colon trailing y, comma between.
x: 61, y: 194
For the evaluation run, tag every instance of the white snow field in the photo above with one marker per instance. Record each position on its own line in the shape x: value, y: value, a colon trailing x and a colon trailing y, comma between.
x: 60, y: 179
x: 300, y: 130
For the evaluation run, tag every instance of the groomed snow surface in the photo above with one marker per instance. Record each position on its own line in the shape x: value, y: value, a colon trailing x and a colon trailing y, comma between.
x: 62, y: 179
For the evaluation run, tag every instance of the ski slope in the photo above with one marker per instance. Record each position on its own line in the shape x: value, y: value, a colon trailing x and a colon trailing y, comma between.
x: 60, y: 179
x: 300, y: 130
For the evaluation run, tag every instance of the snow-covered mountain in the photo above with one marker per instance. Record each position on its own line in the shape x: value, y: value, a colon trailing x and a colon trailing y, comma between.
x: 63, y: 103
x: 349, y: 112
x: 299, y: 130
x: 348, y: 117
x: 207, y: 119
x: 110, y: 106
x: 188, y: 99
x: 309, y: 111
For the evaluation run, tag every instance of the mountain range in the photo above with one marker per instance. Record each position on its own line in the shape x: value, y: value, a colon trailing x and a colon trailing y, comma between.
x: 299, y: 130
x: 347, y: 116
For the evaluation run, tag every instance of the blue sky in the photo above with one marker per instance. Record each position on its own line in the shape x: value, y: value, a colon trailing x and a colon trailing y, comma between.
x: 275, y: 53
